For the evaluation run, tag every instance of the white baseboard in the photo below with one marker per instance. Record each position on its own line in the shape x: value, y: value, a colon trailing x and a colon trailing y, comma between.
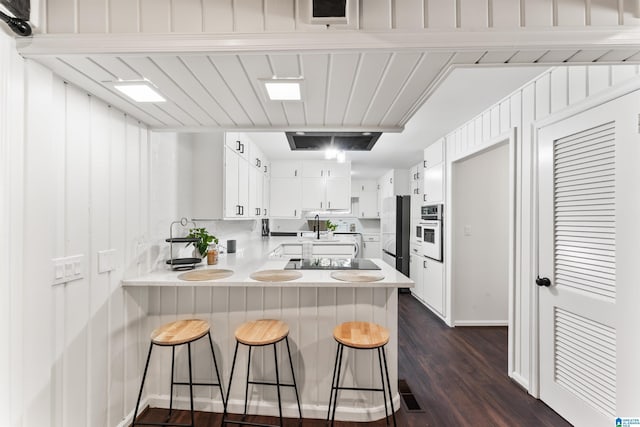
x: 481, y: 323
x: 523, y: 382
x: 128, y: 419
x: 289, y: 409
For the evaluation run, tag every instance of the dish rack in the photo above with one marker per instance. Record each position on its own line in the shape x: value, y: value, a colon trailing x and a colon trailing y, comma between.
x: 181, y: 263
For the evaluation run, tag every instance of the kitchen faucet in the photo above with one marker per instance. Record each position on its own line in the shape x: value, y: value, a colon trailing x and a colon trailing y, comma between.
x: 317, y: 226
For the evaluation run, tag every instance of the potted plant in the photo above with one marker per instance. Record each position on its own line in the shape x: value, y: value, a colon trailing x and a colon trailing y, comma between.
x: 331, y: 227
x: 204, y: 240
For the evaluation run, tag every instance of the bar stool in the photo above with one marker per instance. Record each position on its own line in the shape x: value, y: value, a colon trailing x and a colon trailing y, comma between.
x: 259, y: 333
x: 360, y: 336
x: 172, y: 335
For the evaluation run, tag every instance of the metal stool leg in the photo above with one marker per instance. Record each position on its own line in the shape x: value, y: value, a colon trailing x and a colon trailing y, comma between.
x: 246, y: 386
x: 386, y: 370
x: 335, y: 402
x: 191, y: 385
x: 215, y: 364
x: 233, y: 366
x: 384, y: 393
x: 173, y: 379
x: 293, y: 375
x: 144, y: 376
x: 275, y: 357
x: 333, y: 381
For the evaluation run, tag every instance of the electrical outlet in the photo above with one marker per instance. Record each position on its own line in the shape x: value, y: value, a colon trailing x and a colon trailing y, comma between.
x: 67, y: 269
x: 106, y: 260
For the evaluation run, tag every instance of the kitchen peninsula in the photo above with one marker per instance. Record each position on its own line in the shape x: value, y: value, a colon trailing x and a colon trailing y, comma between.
x: 312, y: 305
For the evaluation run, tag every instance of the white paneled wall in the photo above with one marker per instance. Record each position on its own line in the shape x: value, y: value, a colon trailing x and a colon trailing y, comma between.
x: 250, y: 16
x: 74, y: 179
x: 11, y: 223
x: 551, y: 92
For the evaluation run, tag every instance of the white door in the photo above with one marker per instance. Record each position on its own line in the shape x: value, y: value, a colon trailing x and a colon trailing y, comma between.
x: 588, y: 213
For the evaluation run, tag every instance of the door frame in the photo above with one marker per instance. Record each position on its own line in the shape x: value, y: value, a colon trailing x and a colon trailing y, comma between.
x: 536, y: 127
x: 509, y: 137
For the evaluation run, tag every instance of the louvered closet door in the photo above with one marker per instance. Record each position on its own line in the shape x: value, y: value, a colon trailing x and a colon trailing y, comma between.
x: 578, y: 231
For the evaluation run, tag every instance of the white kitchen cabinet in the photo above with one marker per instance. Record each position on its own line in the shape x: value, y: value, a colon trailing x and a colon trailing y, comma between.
x: 433, y: 282
x: 256, y: 199
x: 371, y: 247
x: 366, y: 191
x: 236, y: 185
x: 285, y: 189
x: 393, y: 183
x: 285, y: 197
x: 286, y: 169
x: 416, y: 271
x: 416, y: 179
x: 239, y: 143
x: 266, y: 196
x: 433, y: 186
x: 326, y: 185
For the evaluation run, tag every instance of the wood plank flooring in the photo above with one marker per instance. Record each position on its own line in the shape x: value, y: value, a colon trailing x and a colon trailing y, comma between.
x: 458, y: 376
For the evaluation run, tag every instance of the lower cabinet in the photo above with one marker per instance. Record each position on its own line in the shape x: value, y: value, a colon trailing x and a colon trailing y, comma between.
x: 416, y: 269
x: 433, y: 283
x: 371, y: 247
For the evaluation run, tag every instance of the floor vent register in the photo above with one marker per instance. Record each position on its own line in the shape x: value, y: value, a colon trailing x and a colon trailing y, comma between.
x: 408, y: 398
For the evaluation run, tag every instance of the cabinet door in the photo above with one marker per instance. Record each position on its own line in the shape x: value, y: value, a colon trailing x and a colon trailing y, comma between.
x: 238, y: 143
x: 434, y: 154
x: 313, y: 193
x: 243, y: 188
x: 286, y: 169
x: 313, y: 169
x: 285, y: 197
x: 371, y: 249
x: 433, y: 284
x: 255, y: 193
x: 433, y: 184
x: 266, y: 196
x: 231, y: 184
x: 338, y: 193
x: 338, y: 170
x: 416, y: 273
x: 368, y: 205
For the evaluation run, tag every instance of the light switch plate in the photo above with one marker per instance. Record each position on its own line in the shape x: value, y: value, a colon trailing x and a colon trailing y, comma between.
x: 106, y: 260
x: 67, y: 269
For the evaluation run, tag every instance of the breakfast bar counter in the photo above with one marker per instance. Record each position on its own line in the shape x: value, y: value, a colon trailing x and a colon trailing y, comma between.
x: 312, y: 305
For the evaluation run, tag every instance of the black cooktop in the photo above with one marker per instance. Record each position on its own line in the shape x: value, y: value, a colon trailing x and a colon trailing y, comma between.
x: 331, y: 264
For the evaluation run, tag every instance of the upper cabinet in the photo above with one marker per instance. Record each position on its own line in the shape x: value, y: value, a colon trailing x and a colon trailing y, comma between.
x: 230, y: 177
x: 366, y: 192
x: 434, y: 168
x: 286, y: 189
x: 326, y: 185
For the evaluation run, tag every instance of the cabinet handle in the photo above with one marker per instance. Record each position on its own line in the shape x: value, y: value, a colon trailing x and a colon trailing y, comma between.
x: 237, y: 209
x: 257, y: 162
x: 424, y: 163
x: 265, y: 212
x: 241, y: 210
x: 257, y: 211
x: 424, y: 264
x: 265, y: 168
x: 378, y: 213
x: 238, y: 145
x: 417, y: 175
x: 390, y: 180
x: 363, y: 188
x: 329, y: 205
x: 320, y: 205
x: 329, y: 172
x: 295, y: 172
x: 362, y: 215
x: 321, y: 173
x: 378, y: 186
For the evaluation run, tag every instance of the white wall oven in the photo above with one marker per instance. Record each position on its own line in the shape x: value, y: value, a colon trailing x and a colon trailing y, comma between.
x: 431, y: 225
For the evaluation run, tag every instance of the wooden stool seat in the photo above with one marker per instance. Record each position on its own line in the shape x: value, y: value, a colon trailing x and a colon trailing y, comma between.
x: 262, y: 332
x: 361, y: 334
x: 180, y: 332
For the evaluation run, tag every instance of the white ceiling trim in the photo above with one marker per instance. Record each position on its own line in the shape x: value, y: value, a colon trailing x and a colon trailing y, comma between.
x: 457, y: 40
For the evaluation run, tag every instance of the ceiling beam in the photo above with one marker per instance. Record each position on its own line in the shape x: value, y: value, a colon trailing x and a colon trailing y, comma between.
x: 458, y: 40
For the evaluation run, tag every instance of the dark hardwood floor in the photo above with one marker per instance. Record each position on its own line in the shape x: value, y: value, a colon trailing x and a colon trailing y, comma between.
x: 458, y: 377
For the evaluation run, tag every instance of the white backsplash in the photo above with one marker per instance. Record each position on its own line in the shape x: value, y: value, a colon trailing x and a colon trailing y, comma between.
x: 344, y: 224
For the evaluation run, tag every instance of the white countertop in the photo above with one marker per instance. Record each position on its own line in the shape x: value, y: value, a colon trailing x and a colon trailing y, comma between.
x: 253, y: 256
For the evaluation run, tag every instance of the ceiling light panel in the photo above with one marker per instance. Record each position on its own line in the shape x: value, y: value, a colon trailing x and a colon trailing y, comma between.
x: 283, y: 89
x: 139, y: 91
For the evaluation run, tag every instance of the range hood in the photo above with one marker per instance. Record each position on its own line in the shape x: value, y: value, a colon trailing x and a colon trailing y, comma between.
x: 345, y: 141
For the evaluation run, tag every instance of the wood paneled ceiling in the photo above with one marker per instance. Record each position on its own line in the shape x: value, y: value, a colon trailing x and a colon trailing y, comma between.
x: 347, y: 90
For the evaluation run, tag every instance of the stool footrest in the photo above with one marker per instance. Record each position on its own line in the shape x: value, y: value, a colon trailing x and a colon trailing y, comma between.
x: 247, y: 423
x: 199, y: 384
x: 147, y: 423
x: 273, y: 384
x: 357, y: 388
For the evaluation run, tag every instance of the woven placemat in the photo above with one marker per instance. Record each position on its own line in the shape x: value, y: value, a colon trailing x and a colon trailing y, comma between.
x: 357, y: 276
x: 275, y: 275
x: 208, y: 274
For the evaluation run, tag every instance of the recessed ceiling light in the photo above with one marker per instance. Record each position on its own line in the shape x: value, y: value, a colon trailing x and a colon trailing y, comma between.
x: 283, y: 89
x: 299, y: 133
x: 366, y: 133
x: 341, y: 157
x: 330, y: 153
x: 139, y: 91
